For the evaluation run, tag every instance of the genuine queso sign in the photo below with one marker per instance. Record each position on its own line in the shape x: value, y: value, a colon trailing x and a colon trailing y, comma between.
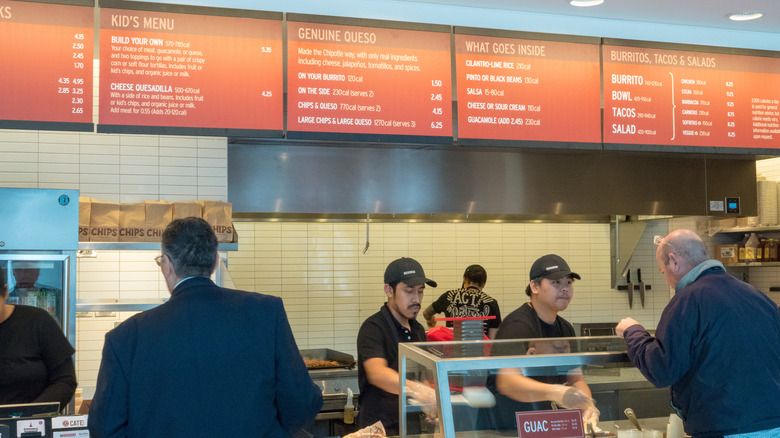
x: 563, y: 423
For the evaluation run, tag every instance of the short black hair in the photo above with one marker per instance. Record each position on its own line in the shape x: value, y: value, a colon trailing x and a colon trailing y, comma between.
x: 192, y: 247
x: 476, y: 274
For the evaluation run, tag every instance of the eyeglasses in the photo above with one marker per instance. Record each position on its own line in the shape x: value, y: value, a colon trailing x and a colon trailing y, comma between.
x: 658, y: 240
x: 158, y: 259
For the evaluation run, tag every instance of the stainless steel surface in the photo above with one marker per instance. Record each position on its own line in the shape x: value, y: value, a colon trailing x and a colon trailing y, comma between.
x: 139, y: 246
x: 632, y: 418
x: 39, y: 219
x: 625, y: 235
x: 116, y: 305
x: 330, y: 181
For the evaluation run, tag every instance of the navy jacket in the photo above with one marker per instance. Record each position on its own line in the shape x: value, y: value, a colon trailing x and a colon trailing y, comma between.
x: 718, y: 346
x: 210, y: 362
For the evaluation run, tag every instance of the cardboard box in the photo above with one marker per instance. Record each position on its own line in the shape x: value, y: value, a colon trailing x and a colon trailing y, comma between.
x: 727, y: 254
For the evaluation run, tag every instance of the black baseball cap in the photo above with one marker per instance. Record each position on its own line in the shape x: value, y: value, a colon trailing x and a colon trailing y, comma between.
x: 552, y: 267
x: 408, y: 271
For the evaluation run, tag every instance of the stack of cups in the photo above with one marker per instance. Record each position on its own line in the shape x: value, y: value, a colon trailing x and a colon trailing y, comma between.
x: 767, y: 202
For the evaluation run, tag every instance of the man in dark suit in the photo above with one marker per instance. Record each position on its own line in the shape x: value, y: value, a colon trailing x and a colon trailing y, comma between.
x: 210, y: 362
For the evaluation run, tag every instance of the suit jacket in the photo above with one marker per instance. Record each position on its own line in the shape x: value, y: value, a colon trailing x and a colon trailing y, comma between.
x: 210, y: 362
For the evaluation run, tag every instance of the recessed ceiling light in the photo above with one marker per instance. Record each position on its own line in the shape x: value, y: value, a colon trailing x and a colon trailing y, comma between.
x: 585, y: 3
x: 745, y: 15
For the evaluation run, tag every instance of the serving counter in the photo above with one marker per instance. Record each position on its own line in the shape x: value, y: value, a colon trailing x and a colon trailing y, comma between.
x: 461, y: 374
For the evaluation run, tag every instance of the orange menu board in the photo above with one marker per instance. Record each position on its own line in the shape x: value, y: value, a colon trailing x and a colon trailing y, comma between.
x: 46, y: 65
x: 171, y: 72
x: 370, y: 81
x: 527, y: 90
x: 657, y: 96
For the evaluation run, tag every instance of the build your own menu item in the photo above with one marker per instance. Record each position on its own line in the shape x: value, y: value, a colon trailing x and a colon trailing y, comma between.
x: 671, y: 97
x: 368, y: 80
x: 160, y: 69
x: 46, y: 65
x: 520, y: 89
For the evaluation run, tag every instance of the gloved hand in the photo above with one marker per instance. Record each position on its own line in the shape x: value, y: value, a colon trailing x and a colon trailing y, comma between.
x: 590, y: 415
x: 425, y: 396
x: 569, y: 397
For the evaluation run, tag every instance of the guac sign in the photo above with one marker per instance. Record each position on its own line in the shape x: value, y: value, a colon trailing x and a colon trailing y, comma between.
x: 562, y: 423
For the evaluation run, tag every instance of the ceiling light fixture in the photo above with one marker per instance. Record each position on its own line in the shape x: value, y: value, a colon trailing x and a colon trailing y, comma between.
x: 745, y: 15
x: 585, y: 3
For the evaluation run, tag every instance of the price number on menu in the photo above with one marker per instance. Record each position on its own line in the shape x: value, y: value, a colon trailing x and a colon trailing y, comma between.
x: 266, y: 93
x: 265, y: 49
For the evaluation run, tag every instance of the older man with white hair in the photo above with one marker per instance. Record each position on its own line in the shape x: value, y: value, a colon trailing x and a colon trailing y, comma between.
x: 717, y: 345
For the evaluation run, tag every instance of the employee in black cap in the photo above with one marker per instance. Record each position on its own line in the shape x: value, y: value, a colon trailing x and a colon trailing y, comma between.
x: 377, y: 346
x: 550, y: 289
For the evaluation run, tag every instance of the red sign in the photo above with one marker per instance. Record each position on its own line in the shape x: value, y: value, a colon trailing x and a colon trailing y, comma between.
x: 46, y: 62
x: 670, y: 97
x: 515, y: 89
x: 365, y: 80
x: 185, y: 70
x: 562, y: 423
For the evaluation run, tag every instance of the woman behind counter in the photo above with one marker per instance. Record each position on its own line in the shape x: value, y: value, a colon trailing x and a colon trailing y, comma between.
x: 36, y: 363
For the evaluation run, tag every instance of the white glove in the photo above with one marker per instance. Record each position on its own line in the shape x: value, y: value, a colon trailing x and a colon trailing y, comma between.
x: 425, y: 396
x: 590, y: 415
x: 569, y: 397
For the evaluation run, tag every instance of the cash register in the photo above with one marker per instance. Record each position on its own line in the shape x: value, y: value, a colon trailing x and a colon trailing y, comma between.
x: 40, y: 420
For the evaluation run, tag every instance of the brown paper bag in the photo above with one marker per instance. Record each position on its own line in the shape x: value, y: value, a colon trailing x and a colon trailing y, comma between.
x: 187, y: 209
x: 104, y: 222
x: 85, y: 209
x: 132, y: 221
x: 219, y: 215
x: 158, y: 215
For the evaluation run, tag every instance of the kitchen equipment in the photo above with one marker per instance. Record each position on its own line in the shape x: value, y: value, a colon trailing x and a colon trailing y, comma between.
x: 316, y: 357
x: 38, y: 243
x: 632, y: 417
x: 630, y: 289
x: 641, y: 286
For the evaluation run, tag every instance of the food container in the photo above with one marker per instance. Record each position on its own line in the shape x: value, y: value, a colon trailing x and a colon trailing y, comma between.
x: 324, y: 358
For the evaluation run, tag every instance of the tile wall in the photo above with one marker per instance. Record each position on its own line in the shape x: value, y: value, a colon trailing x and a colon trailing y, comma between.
x: 328, y: 285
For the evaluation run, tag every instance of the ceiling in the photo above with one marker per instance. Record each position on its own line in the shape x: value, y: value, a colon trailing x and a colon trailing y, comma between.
x: 697, y: 13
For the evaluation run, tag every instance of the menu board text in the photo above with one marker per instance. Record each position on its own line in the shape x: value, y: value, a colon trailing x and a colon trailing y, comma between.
x: 182, y: 70
x: 666, y: 97
x: 46, y: 56
x: 361, y: 80
x: 514, y: 89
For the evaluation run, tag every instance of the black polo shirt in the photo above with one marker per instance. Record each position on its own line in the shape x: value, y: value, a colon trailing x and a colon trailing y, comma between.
x: 379, y: 337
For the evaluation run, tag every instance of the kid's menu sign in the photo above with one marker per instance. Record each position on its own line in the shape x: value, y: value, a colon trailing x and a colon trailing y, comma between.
x: 183, y: 70
x: 46, y: 66
x: 368, y: 80
x: 521, y: 89
x: 683, y: 98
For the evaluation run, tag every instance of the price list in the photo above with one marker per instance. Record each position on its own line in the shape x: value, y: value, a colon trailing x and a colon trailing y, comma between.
x: 366, y: 80
x: 46, y: 66
x: 669, y: 97
x: 520, y: 89
x: 189, y: 71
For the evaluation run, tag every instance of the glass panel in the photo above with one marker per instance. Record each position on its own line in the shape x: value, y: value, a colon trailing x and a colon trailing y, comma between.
x: 481, y: 385
x: 37, y: 283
